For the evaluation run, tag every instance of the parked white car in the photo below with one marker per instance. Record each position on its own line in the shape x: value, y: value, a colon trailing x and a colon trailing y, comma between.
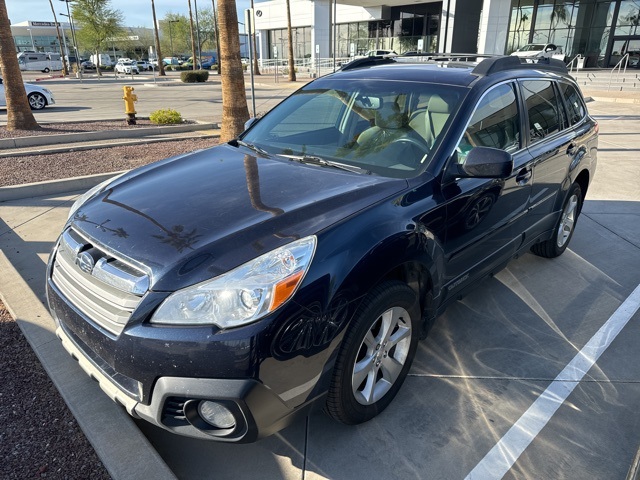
x: 127, y: 67
x: 540, y: 50
x: 39, y: 97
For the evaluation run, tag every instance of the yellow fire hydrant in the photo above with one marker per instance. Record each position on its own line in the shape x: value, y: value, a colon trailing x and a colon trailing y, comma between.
x: 129, y: 98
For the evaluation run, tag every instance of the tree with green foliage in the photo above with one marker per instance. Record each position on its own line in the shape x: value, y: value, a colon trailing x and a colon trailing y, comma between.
x: 98, y: 24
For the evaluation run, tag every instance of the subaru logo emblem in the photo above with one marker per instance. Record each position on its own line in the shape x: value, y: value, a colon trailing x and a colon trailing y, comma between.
x: 85, y: 261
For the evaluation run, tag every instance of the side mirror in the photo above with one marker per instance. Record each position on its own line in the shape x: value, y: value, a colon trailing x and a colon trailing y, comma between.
x: 485, y: 162
x: 250, y: 122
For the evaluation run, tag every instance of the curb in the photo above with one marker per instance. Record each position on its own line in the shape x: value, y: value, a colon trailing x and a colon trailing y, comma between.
x: 124, y: 451
x: 38, y: 140
x: 52, y: 187
x: 617, y: 100
x: 96, y: 146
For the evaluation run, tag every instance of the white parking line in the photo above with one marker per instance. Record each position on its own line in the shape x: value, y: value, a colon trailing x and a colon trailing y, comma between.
x: 504, y: 454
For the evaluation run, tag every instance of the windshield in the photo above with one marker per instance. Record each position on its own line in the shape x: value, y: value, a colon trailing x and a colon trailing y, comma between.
x: 388, y: 128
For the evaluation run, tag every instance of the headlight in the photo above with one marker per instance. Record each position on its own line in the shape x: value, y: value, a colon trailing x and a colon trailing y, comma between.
x: 86, y: 196
x: 243, y: 295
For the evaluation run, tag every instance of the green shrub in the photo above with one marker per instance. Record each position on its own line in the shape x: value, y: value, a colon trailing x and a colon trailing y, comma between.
x: 167, y: 116
x: 194, y: 76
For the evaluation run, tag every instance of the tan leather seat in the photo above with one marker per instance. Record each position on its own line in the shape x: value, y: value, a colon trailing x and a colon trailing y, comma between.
x: 430, y: 122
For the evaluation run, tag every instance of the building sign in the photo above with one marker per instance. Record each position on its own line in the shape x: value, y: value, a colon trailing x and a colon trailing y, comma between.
x: 43, y: 24
x: 122, y: 39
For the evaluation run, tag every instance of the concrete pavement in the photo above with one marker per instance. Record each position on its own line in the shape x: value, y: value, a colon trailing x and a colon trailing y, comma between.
x: 487, y: 359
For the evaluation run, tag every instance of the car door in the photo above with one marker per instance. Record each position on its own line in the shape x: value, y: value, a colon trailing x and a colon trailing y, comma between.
x: 3, y: 100
x: 551, y: 145
x: 485, y: 215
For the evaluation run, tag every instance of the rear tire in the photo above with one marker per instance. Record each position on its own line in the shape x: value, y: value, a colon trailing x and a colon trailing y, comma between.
x: 46, y: 70
x: 375, y: 355
x: 563, y: 231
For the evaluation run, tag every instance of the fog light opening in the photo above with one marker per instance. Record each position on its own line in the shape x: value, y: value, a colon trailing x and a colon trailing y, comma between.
x: 216, y: 415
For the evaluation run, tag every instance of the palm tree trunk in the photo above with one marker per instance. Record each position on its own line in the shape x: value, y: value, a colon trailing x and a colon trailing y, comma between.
x: 155, y: 32
x: 256, y: 67
x: 19, y: 115
x: 193, y: 40
x: 292, y: 66
x: 65, y: 71
x: 234, y: 100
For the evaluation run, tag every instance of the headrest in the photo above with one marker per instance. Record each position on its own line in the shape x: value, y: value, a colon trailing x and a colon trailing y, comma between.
x: 390, y: 117
x: 437, y: 104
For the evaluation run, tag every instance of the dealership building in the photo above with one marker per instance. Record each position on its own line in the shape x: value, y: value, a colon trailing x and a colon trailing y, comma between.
x: 602, y: 31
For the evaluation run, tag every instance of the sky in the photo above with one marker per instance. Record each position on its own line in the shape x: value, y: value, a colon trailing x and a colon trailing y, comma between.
x: 137, y: 13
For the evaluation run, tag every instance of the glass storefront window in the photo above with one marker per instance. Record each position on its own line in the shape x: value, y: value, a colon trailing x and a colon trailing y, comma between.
x: 628, y: 18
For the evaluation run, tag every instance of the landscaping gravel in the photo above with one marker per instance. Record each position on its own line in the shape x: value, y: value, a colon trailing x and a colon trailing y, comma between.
x: 53, y: 166
x: 39, y: 437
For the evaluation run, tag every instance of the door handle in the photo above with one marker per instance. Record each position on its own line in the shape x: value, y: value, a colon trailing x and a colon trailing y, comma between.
x: 571, y: 150
x: 524, y: 176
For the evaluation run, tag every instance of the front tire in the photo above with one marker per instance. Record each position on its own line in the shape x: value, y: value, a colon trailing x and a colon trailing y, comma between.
x: 37, y: 101
x: 375, y: 355
x: 556, y: 245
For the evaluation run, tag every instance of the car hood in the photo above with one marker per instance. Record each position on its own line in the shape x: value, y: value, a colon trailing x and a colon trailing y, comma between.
x: 193, y: 217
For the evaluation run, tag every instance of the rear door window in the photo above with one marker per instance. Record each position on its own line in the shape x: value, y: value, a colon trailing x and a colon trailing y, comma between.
x: 546, y: 116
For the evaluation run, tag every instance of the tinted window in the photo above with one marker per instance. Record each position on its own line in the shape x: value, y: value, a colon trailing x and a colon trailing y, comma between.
x: 573, y: 101
x: 545, y: 114
x: 495, y: 122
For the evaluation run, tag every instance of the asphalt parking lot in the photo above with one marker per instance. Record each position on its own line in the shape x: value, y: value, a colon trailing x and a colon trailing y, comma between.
x: 100, y: 99
x: 489, y: 394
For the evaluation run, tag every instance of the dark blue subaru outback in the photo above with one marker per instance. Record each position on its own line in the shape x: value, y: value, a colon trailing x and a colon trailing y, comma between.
x: 221, y: 293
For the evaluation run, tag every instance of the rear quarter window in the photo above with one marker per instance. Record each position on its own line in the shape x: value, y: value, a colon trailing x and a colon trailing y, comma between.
x: 576, y: 109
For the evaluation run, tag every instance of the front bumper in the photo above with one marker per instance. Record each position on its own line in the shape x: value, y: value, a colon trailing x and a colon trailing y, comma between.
x: 258, y: 411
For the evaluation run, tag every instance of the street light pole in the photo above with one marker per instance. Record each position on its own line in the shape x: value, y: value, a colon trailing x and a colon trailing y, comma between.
x: 33, y: 45
x: 73, y: 37
x: 195, y: 6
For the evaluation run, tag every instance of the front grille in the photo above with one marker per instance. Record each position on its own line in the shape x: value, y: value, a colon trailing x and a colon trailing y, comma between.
x: 103, y: 288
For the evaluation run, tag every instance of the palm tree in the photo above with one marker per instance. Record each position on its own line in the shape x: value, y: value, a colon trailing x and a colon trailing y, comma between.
x: 292, y: 69
x: 234, y: 99
x: 19, y: 115
x: 65, y: 72
x: 558, y: 15
x: 196, y: 61
x: 157, y: 37
x: 256, y: 69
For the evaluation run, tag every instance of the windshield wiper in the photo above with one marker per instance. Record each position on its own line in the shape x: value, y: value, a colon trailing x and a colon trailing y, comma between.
x: 321, y: 162
x: 253, y: 147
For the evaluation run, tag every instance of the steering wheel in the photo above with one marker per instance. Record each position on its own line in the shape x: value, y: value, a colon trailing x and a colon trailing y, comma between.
x: 420, y: 144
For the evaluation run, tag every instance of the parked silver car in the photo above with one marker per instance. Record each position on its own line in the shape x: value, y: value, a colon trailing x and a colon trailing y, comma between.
x: 39, y: 97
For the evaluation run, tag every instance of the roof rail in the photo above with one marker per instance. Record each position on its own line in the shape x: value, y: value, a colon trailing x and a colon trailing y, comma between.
x: 367, y: 62
x: 503, y: 63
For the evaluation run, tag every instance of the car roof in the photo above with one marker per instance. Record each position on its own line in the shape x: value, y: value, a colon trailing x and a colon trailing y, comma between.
x: 450, y: 71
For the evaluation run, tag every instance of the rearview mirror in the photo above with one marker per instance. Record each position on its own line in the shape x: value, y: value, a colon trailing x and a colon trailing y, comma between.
x: 368, y: 102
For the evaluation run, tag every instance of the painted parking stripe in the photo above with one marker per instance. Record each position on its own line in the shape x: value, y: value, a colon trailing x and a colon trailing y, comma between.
x: 504, y: 454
